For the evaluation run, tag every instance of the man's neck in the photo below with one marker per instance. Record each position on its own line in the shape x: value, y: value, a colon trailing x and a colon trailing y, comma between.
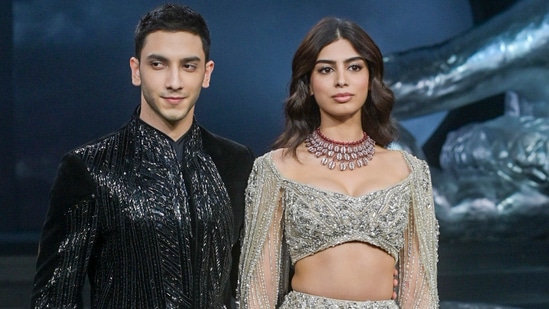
x: 175, y: 130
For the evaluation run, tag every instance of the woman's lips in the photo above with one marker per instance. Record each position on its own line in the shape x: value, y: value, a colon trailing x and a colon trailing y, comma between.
x: 342, y: 97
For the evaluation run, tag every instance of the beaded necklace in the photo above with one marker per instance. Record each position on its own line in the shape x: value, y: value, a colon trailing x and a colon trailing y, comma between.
x: 348, y: 155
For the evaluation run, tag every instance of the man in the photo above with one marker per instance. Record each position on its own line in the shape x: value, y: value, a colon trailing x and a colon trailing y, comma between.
x: 150, y: 213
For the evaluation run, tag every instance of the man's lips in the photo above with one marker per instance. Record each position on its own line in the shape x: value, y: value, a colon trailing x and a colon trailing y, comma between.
x: 342, y: 97
x: 173, y: 100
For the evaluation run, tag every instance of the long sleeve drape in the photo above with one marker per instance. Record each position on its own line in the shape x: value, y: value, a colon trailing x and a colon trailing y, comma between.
x: 418, y: 258
x: 264, y: 261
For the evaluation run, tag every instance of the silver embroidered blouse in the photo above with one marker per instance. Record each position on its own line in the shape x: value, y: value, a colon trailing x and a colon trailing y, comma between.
x: 282, y: 214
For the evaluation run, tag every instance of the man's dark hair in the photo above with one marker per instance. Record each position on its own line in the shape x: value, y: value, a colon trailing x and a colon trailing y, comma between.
x: 172, y: 18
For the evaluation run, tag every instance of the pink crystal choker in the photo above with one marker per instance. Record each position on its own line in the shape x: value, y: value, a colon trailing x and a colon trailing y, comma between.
x: 348, y: 155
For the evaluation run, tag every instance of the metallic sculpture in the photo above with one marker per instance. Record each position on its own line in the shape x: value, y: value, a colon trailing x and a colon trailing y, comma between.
x: 510, y: 52
x: 494, y: 172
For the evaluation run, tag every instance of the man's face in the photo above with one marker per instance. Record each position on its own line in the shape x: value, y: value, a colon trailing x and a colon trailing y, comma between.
x: 172, y: 71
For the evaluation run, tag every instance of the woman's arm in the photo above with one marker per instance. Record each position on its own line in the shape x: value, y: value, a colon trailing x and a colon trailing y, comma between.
x: 262, y: 262
x: 418, y: 259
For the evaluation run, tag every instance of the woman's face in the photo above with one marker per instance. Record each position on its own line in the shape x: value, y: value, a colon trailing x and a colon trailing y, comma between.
x: 339, y: 82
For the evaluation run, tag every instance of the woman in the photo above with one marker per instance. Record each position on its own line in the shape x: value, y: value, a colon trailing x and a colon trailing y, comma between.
x: 331, y: 211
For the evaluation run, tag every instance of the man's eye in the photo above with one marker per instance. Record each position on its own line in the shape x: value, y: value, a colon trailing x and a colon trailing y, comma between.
x: 157, y: 64
x: 189, y: 67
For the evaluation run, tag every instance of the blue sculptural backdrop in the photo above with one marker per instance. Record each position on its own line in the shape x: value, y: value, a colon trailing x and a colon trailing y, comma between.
x: 490, y: 171
x: 493, y: 181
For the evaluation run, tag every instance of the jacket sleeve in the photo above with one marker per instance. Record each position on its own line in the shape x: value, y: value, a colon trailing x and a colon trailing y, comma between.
x: 67, y: 238
x: 419, y: 256
x: 264, y: 263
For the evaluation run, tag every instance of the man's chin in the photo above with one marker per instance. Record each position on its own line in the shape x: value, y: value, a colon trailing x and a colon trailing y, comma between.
x: 175, y: 118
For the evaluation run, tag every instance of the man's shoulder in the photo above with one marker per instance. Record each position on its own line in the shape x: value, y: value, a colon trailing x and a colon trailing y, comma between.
x: 234, y: 160
x: 218, y: 144
x: 77, y: 166
x: 120, y: 134
x: 99, y: 142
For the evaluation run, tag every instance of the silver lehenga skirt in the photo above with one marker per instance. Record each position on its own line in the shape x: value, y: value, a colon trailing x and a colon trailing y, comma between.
x: 295, y: 300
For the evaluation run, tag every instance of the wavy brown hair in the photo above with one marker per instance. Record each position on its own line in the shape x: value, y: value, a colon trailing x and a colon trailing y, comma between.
x: 301, y: 110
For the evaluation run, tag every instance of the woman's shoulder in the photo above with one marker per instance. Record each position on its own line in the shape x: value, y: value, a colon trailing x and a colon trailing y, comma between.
x: 277, y: 156
x: 264, y: 158
x: 391, y: 159
x: 404, y: 156
x: 280, y: 162
x: 266, y: 161
x: 401, y: 161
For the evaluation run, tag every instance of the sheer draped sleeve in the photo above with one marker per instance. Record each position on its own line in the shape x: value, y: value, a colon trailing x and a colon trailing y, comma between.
x: 418, y: 258
x: 264, y: 261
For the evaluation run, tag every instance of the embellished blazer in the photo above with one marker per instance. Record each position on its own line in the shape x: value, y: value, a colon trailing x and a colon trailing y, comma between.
x: 114, y: 217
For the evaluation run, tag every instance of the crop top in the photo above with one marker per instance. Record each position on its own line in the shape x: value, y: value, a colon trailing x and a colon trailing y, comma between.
x: 317, y: 219
x: 286, y: 221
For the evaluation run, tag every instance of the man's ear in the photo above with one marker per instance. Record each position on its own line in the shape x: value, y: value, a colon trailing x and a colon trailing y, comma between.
x: 208, y: 74
x: 136, y: 74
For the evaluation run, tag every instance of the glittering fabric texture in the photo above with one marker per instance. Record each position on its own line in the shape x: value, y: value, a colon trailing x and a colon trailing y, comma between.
x: 282, y: 218
x: 317, y: 219
x: 297, y: 300
x: 150, y: 231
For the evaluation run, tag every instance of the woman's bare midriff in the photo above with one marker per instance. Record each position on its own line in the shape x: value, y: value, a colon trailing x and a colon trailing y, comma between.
x: 351, y: 271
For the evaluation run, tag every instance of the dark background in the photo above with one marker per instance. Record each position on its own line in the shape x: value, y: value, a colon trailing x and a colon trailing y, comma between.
x: 67, y: 75
x: 65, y: 80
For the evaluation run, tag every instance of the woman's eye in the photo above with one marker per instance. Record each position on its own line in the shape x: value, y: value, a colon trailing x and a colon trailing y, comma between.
x: 325, y: 70
x: 355, y: 67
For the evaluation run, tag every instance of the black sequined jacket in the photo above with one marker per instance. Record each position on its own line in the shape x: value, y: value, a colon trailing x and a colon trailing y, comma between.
x: 91, y: 227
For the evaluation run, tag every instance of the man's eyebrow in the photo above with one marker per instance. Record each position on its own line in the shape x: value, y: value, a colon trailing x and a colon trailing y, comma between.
x: 190, y: 59
x: 156, y: 57
x: 164, y: 59
x: 345, y: 61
